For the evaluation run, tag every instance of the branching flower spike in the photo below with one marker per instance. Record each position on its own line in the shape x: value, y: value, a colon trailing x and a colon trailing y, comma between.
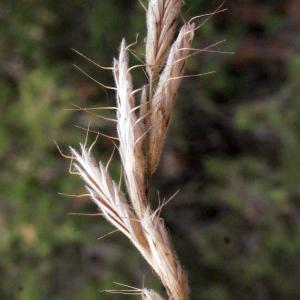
x: 142, y: 127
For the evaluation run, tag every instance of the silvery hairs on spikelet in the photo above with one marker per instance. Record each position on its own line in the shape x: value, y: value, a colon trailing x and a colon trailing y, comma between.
x: 129, y: 133
x: 141, y: 133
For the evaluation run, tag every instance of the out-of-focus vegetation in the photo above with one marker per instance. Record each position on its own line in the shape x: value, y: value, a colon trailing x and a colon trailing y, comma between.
x: 233, y: 150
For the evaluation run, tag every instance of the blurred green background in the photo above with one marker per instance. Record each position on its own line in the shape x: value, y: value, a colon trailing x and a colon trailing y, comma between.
x: 233, y: 150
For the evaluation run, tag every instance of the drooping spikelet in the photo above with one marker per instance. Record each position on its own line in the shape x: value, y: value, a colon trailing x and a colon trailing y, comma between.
x: 161, y: 24
x: 164, y: 97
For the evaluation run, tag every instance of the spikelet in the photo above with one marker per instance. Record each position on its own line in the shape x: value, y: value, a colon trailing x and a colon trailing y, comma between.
x: 161, y: 24
x: 164, y: 97
x: 129, y: 133
x: 109, y: 199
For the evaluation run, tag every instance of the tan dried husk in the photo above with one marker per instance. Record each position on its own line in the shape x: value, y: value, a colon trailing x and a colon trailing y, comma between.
x: 150, y: 121
x: 163, y: 100
x: 161, y: 25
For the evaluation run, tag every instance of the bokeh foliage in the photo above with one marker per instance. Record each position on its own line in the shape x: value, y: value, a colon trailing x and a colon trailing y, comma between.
x: 233, y: 150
